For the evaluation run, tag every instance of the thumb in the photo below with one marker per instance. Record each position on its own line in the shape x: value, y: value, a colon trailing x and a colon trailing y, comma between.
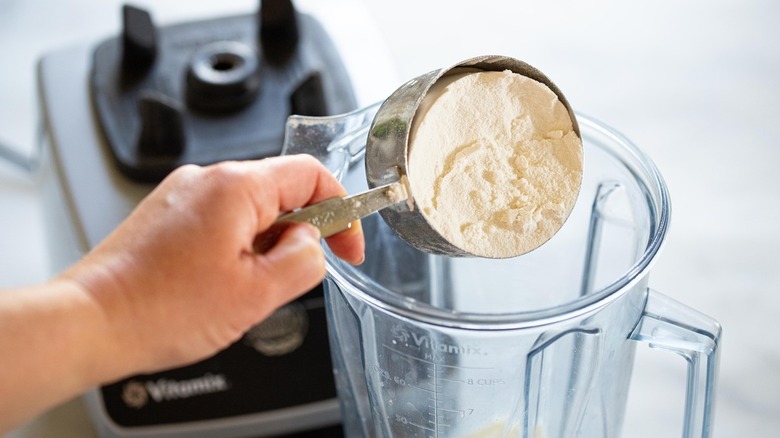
x: 294, y: 264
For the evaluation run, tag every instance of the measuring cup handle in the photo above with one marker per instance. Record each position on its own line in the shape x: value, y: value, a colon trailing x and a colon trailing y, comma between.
x: 669, y: 325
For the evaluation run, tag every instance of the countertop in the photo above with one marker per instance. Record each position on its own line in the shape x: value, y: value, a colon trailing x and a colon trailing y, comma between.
x: 694, y: 84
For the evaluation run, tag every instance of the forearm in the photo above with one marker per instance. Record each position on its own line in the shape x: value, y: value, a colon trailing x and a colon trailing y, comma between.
x: 52, y: 347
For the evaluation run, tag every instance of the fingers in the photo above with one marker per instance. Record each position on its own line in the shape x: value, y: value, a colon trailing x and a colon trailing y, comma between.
x: 301, y: 180
x: 349, y: 245
x: 282, y: 184
x: 296, y: 262
x: 293, y: 182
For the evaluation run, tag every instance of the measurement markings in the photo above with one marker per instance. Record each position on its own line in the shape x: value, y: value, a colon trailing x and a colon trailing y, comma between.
x: 461, y: 412
x: 420, y: 388
x: 394, y: 350
x: 460, y: 367
x: 422, y: 427
x: 438, y: 421
x: 452, y: 380
x: 436, y: 413
x: 435, y: 402
x: 405, y: 421
x: 430, y: 362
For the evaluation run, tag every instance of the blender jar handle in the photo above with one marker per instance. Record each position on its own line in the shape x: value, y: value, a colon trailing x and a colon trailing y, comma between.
x: 337, y: 141
x: 669, y: 325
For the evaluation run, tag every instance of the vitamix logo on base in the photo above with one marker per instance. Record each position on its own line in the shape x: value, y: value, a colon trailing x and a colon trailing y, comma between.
x: 137, y: 394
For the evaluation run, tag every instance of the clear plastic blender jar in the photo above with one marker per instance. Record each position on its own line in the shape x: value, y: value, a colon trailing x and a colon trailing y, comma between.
x: 540, y: 345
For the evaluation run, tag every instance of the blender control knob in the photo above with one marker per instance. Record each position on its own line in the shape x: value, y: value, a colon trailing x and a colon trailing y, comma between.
x: 278, y: 30
x: 162, y: 126
x: 223, y: 76
x: 281, y: 333
x: 139, y: 39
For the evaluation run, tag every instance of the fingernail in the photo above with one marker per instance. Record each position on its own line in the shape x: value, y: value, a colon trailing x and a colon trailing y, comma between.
x: 362, y: 259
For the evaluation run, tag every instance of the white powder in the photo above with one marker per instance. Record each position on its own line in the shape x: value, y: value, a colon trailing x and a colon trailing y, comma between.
x: 494, y: 163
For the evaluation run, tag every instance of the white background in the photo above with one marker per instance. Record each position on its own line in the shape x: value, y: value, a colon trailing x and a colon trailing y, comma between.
x: 696, y: 84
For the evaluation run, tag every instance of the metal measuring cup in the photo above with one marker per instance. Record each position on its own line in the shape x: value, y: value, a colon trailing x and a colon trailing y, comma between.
x: 386, y: 158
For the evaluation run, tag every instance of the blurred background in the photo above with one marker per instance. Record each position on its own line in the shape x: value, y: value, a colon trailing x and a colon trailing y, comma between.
x: 695, y: 84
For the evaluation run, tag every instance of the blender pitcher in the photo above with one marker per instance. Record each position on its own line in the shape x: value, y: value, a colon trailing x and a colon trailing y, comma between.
x: 537, y: 346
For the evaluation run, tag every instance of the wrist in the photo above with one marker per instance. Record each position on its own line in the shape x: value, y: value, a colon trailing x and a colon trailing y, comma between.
x: 91, y: 350
x: 102, y: 335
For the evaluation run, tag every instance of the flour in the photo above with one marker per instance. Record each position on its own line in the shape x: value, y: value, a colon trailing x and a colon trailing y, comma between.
x: 494, y: 163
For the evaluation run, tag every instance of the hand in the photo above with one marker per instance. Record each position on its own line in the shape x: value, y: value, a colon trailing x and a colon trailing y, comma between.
x: 174, y: 283
x: 179, y: 280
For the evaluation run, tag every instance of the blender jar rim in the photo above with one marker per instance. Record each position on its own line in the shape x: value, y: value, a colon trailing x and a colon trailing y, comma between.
x: 657, y: 198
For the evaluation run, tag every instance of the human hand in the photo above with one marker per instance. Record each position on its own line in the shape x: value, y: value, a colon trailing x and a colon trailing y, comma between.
x: 179, y: 280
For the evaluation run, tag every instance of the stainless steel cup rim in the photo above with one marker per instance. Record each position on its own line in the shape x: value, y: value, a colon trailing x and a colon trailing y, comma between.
x: 657, y: 196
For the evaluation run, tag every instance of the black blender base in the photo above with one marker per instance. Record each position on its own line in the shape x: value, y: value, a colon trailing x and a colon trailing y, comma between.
x: 212, y: 90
